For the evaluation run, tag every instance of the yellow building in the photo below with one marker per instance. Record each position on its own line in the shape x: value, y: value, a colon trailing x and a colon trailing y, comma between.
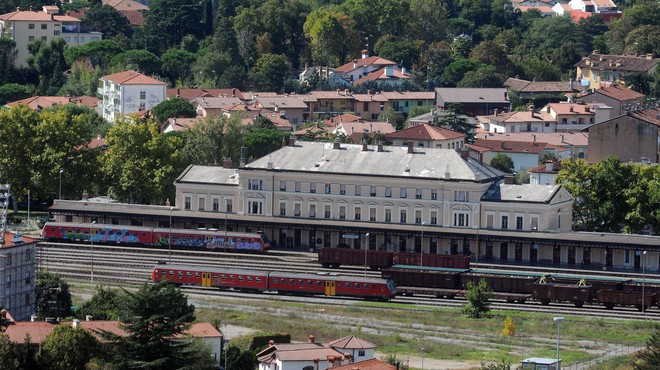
x: 604, y: 70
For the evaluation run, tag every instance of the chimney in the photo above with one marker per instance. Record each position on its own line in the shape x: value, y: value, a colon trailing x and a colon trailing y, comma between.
x: 368, y: 92
x: 533, y: 138
x: 227, y: 163
x: 316, y: 363
x: 346, y: 92
x: 495, y: 111
x: 33, y: 318
x: 88, y: 317
x: 233, y: 92
x: 338, y: 91
x: 587, y: 109
x: 403, y: 70
x: 336, y: 144
x: 167, y: 202
x: 348, y: 357
x: 310, y: 339
x: 85, y: 195
x: 570, y: 109
x: 411, y: 147
x: 380, y: 147
x: 547, y: 109
x: 548, y: 166
x: 283, y: 142
x: 292, y: 141
x: 271, y: 343
x: 365, y: 147
x: 509, y: 180
x: 562, y: 137
x: 649, y: 56
x: 571, y: 83
x: 75, y: 323
x: 354, y: 63
x: 178, y: 92
x: 464, y: 154
x: 365, y: 53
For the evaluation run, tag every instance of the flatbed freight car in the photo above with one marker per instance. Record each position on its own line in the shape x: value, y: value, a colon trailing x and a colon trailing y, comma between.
x: 378, y: 259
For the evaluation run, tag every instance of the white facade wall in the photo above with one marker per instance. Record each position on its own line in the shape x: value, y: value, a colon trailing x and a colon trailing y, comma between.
x: 542, y: 178
x: 120, y: 100
x: 17, y: 280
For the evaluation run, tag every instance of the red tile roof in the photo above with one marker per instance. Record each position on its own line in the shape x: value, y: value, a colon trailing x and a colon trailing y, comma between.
x: 190, y: 94
x: 342, y: 118
x: 619, y: 93
x: 180, y: 124
x: 624, y: 63
x: 39, y: 102
x: 373, y: 364
x: 381, y: 75
x: 504, y: 146
x: 553, y: 167
x: 34, y: 15
x: 409, y: 95
x: 651, y: 115
x: 125, y: 5
x: 368, y: 61
x: 351, y: 342
x: 10, y: 243
x: 132, y: 78
x: 425, y: 132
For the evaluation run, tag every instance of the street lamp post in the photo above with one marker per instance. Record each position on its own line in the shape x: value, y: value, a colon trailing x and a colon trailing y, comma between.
x: 91, y: 239
x: 169, y: 238
x: 558, y: 320
x: 421, y: 247
x: 366, y: 252
x: 224, y: 242
x: 643, y: 280
x: 422, y: 352
x: 476, y: 259
x: 61, y: 172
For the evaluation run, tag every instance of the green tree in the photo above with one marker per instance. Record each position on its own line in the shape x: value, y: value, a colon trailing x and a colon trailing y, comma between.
x: 53, y: 296
x: 503, y: 365
x: 108, y: 20
x: 98, y: 53
x: 174, y: 107
x: 18, y: 123
x: 67, y: 348
x: 168, y: 21
x: 82, y: 81
x: 393, y: 117
x: 149, y: 325
x: 198, y: 355
x: 238, y: 358
x: 270, y: 71
x: 458, y: 122
x: 47, y: 60
x: 9, y: 356
x: 490, y: 52
x: 456, y: 70
x: 176, y: 65
x: 509, y: 327
x: 140, y: 60
x: 394, y: 361
x: 484, y: 76
x: 429, y: 20
x: 478, y: 298
x: 502, y: 162
x: 141, y: 164
x: 261, y: 141
x: 213, y: 139
x: 649, y: 358
x: 14, y: 92
x: 7, y: 59
x: 103, y: 305
x: 533, y: 68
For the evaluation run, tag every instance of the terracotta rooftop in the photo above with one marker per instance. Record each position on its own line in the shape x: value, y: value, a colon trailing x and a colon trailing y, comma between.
x: 553, y: 167
x: 425, y: 132
x: 381, y: 75
x: 351, y: 342
x: 540, y: 86
x: 362, y: 127
x: 505, y: 146
x: 625, y: 63
x: 132, y: 78
x: 334, y: 94
x: 562, y: 139
x: 125, y: 5
x: 651, y: 115
x: 10, y: 243
x: 190, y: 94
x: 281, y: 102
x: 217, y: 103
x: 39, y: 102
x: 372, y: 364
x: 180, y: 124
x: 377, y: 97
x: 358, y: 63
x: 342, y: 118
x: 619, y: 93
x: 572, y: 108
x: 515, y: 117
x: 34, y: 15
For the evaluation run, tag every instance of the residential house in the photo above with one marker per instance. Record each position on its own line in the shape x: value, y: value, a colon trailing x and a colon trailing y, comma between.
x: 530, y: 89
x: 544, y: 8
x: 576, y: 116
x: 296, y: 356
x: 373, y: 364
x: 19, y: 269
x: 529, y: 121
x: 388, y: 75
x: 43, y: 102
x: 436, y: 116
x: 38, y: 331
x: 573, y: 144
x: 355, y: 130
x: 290, y: 107
x: 593, y: 6
x: 474, y: 101
x: 619, y: 98
x: 631, y: 137
x: 403, y: 101
x: 351, y: 72
x: 217, y: 106
x: 129, y: 92
x: 26, y: 26
x: 330, y: 103
x: 358, y: 349
x: 523, y: 153
x: 427, y: 136
x: 370, y: 105
x: 178, y: 124
x: 545, y: 174
x: 602, y: 70
x: 192, y: 93
x: 276, y: 118
x: 134, y: 11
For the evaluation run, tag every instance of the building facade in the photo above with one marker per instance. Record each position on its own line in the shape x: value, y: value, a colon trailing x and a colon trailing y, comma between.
x: 129, y: 92
x: 26, y: 26
x: 602, y: 70
x: 17, y: 276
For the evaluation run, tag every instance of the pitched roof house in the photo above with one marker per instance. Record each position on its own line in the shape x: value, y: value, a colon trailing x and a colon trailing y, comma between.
x: 427, y: 136
x: 352, y: 72
x: 474, y: 101
x: 620, y: 98
x: 129, y: 92
x: 524, y: 154
x: 599, y: 70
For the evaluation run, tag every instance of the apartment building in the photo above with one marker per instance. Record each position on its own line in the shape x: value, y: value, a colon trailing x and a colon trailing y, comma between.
x: 129, y: 92
x: 602, y: 70
x: 26, y: 26
x: 17, y: 275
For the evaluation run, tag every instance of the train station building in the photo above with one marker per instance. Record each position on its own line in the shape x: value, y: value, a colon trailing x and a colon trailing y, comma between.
x: 309, y: 195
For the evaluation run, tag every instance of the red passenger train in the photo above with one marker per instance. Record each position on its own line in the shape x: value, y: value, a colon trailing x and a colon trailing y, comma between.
x: 280, y: 282
x: 153, y: 237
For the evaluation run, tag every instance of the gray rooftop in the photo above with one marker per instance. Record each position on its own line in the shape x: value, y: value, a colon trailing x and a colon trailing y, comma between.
x: 521, y: 193
x: 471, y: 95
x: 393, y: 161
x: 209, y: 175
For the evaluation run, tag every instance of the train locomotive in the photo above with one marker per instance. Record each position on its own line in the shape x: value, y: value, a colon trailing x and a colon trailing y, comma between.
x: 258, y: 281
x: 154, y: 237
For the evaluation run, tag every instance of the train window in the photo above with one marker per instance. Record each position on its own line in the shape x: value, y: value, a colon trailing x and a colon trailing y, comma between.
x: 319, y: 283
x: 258, y: 280
x: 144, y: 235
x: 188, y: 274
x: 223, y: 277
x: 171, y: 272
x: 367, y: 286
x: 310, y: 283
x: 292, y: 281
x: 240, y: 278
x: 249, y: 278
x: 215, y: 276
x: 283, y: 281
x: 197, y: 274
x: 358, y: 285
x: 348, y: 285
x: 180, y: 273
x: 274, y: 280
x: 232, y: 277
x: 301, y: 282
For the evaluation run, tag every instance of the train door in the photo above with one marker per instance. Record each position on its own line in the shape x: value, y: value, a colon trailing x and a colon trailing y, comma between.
x: 329, y: 287
x: 206, y: 279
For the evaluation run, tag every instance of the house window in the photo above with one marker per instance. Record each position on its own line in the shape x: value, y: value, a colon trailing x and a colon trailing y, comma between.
x: 312, y: 187
x: 30, y: 38
x: 216, y: 205
x: 44, y: 38
x: 372, y: 214
x: 388, y: 192
x: 143, y: 106
x: 505, y: 222
x: 534, y: 225
x: 402, y: 216
x: 297, y: 186
x: 358, y: 213
x: 519, y: 223
x: 434, y: 218
x: 342, y: 189
x: 403, y: 193
x: 461, y: 219
x: 296, y: 210
x: 143, y: 95
x: 418, y: 194
x: 418, y: 216
x: 372, y: 191
x: 56, y: 33
x: 254, y: 184
x: 327, y: 213
x: 461, y: 196
x: 31, y: 26
x: 328, y: 188
x: 361, y: 353
x: 342, y: 212
x: 312, y: 210
x: 388, y: 215
x: 255, y: 207
x: 434, y: 195
x: 358, y: 190
x: 44, y: 26
x: 187, y: 203
x: 282, y: 208
x: 229, y: 205
x: 282, y: 185
x: 202, y: 203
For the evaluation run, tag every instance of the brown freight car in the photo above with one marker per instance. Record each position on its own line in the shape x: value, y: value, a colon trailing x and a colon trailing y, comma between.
x: 335, y: 257
x: 424, y: 277
x: 612, y: 298
x: 547, y: 292
x: 432, y: 260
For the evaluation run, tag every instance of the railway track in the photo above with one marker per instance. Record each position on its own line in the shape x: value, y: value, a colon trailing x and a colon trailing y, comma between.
x: 132, y: 266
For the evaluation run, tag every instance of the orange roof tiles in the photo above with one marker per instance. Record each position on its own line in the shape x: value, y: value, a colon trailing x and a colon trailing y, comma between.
x: 381, y: 74
x: 368, y: 61
x: 342, y: 118
x: 372, y: 364
x: 39, y: 102
x: 619, y: 93
x: 425, y: 132
x: 125, y: 5
x: 351, y: 342
x: 132, y: 78
x: 190, y: 94
x: 505, y: 146
x: 651, y: 115
x: 572, y: 108
x: 33, y: 15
